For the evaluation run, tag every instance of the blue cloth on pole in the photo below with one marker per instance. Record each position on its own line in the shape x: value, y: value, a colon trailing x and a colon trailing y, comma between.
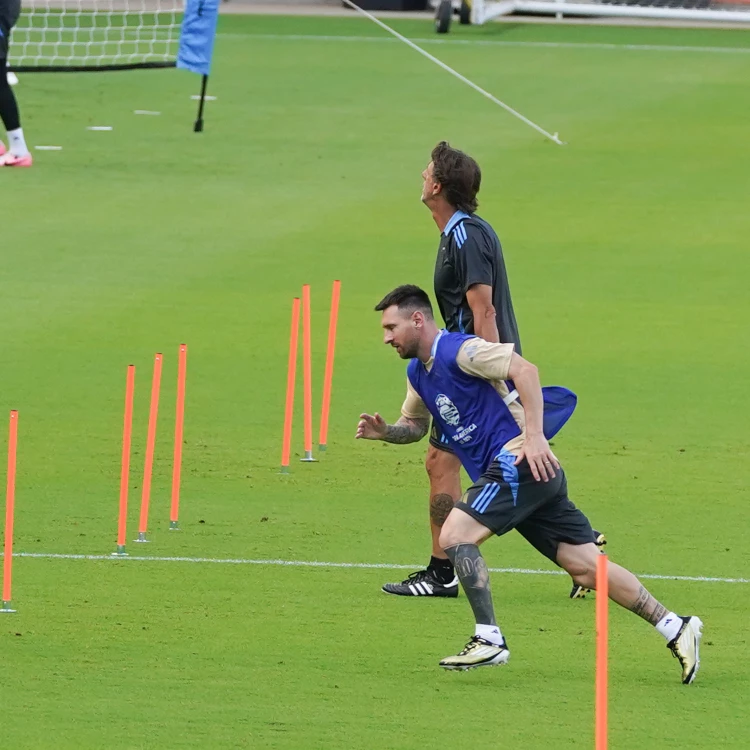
x: 559, y: 405
x: 197, y: 36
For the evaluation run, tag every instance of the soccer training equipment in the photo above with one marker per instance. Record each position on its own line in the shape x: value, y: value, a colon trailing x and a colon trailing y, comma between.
x: 96, y: 35
x: 686, y: 10
x: 423, y: 583
x: 10, y: 499
x: 477, y: 653
x: 579, y: 592
x: 686, y: 647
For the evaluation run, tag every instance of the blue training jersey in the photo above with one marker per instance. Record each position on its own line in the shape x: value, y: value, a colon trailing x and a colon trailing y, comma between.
x: 468, y: 409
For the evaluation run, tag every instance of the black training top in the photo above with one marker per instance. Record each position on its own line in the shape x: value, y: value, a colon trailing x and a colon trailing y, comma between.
x: 470, y: 253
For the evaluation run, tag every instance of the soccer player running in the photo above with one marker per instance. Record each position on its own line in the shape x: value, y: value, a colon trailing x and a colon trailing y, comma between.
x: 17, y: 154
x: 472, y: 291
x: 460, y: 380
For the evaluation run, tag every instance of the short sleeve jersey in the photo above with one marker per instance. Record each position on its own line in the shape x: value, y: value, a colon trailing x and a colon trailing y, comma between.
x: 470, y: 253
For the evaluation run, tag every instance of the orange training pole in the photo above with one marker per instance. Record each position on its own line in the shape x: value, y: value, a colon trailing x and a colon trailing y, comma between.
x: 327, y: 382
x: 286, y: 448
x: 127, y: 432
x: 150, y: 441
x: 307, y: 372
x: 602, y: 605
x: 10, y: 498
x: 179, y: 424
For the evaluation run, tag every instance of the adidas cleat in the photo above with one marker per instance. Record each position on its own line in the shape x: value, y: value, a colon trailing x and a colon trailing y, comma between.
x: 477, y: 653
x: 423, y: 583
x: 686, y: 647
x: 579, y: 592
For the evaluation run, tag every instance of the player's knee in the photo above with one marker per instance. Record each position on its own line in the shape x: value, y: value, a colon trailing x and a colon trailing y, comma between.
x: 579, y: 562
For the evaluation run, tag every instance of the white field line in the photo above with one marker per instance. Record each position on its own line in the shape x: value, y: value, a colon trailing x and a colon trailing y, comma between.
x: 492, y: 43
x: 319, y: 564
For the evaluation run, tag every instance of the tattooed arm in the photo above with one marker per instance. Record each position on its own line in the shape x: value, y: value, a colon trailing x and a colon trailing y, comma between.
x: 406, y: 430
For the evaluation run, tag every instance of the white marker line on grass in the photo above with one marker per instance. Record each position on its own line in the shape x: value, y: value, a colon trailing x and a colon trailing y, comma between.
x: 99, y: 127
x: 496, y: 43
x: 318, y: 564
x: 48, y: 148
x: 196, y: 97
x: 145, y: 112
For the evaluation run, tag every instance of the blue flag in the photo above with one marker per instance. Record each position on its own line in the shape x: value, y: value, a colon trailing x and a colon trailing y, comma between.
x: 197, y: 36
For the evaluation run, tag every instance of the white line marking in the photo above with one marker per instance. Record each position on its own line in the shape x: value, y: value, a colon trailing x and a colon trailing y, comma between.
x: 552, y: 136
x: 495, y: 43
x: 368, y: 566
x: 145, y: 112
x: 48, y: 148
x: 196, y: 97
x: 100, y: 127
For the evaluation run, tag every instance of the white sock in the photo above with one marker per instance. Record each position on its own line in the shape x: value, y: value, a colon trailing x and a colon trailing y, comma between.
x: 490, y: 633
x: 17, y: 142
x: 669, y: 625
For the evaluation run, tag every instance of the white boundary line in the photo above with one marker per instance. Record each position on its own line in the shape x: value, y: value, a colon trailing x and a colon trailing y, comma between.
x: 369, y: 566
x: 492, y: 43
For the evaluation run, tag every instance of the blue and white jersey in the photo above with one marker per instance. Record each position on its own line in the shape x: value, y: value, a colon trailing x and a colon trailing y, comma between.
x: 469, y: 409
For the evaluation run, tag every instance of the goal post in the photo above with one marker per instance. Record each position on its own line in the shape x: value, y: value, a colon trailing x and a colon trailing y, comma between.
x: 735, y: 11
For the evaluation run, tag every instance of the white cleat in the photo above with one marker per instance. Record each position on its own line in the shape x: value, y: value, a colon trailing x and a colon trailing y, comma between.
x: 686, y: 647
x: 477, y: 653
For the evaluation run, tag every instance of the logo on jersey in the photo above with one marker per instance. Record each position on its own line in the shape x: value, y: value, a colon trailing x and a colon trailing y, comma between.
x: 447, y: 409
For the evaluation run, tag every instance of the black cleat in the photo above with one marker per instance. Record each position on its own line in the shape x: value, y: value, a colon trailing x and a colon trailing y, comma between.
x: 579, y: 592
x: 423, y: 583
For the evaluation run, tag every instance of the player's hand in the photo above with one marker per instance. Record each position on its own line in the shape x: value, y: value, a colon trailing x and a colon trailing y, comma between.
x: 541, y: 459
x: 371, y: 427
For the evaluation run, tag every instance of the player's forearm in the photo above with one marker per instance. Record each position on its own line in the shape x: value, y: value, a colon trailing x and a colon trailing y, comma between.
x: 485, y: 326
x: 406, y: 431
x: 526, y: 380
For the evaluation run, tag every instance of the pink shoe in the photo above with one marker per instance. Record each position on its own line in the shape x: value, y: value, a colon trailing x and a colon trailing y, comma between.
x: 11, y: 160
x: 2, y: 149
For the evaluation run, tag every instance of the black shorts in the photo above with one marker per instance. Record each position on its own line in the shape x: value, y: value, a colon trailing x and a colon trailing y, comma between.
x: 507, y: 497
x: 9, y: 12
x: 438, y: 439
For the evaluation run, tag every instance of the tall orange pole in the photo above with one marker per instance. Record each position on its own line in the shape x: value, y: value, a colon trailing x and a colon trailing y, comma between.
x: 10, y: 499
x: 328, y: 379
x: 127, y: 432
x: 179, y: 425
x: 291, y: 378
x: 602, y: 635
x: 307, y: 372
x: 150, y: 442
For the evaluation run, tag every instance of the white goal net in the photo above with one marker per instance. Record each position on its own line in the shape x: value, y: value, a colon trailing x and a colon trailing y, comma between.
x: 74, y: 35
x: 733, y: 11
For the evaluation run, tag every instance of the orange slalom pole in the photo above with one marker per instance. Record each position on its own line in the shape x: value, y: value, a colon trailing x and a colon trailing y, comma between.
x: 602, y: 626
x: 10, y: 499
x: 307, y: 372
x: 127, y: 432
x: 286, y: 448
x: 328, y: 381
x: 179, y: 424
x: 150, y: 441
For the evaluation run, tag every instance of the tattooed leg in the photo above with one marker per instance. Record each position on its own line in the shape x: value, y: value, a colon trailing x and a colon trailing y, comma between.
x: 475, y: 579
x: 440, y: 507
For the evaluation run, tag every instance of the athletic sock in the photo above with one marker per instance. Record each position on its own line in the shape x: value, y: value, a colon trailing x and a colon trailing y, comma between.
x: 17, y: 143
x: 490, y: 633
x: 669, y: 626
x: 442, y: 568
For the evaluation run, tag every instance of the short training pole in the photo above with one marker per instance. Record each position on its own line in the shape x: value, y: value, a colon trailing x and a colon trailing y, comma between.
x: 291, y: 379
x: 10, y: 498
x: 602, y: 606
x: 179, y: 425
x: 127, y: 432
x: 328, y: 380
x: 307, y: 372
x: 150, y: 441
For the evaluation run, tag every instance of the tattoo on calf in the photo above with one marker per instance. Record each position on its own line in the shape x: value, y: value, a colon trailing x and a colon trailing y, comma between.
x: 475, y: 579
x: 440, y: 507
x: 647, y: 607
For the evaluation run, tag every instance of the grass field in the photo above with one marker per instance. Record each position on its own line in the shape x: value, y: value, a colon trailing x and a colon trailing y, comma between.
x: 627, y: 251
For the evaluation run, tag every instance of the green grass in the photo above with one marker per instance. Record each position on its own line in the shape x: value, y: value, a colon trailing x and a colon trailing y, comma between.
x: 627, y: 255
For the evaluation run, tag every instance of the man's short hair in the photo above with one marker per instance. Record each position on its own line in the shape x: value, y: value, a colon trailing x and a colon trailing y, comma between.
x: 459, y: 176
x: 407, y: 297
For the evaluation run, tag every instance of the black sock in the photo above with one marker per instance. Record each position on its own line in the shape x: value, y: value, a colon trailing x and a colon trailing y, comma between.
x: 8, y: 105
x: 442, y: 568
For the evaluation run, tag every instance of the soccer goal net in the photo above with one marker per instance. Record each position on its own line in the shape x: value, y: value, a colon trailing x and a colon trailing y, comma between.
x: 734, y: 11
x: 80, y: 35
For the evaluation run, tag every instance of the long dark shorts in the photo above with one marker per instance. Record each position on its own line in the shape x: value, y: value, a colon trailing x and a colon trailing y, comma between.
x: 507, y: 497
